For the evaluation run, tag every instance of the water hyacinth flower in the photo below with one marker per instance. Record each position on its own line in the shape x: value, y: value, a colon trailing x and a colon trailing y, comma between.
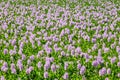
x: 113, y: 60
x: 86, y: 56
x: 12, y: 65
x: 82, y: 70
x: 32, y: 57
x: 118, y: 49
x: 40, y: 53
x: 100, y: 59
x: 53, y: 67
x: 51, y: 59
x: 112, y: 46
x: 78, y: 66
x: 28, y: 61
x: 20, y: 51
x: 20, y: 65
x: 4, y: 26
x: 48, y: 50
x: 106, y: 78
x: 95, y: 63
x: 45, y: 74
x: 108, y: 71
x: 63, y: 53
x: 106, y: 50
x: 118, y: 75
x: 47, y: 65
x: 39, y: 64
x: 72, y: 52
x: 47, y: 59
x: 93, y: 40
x: 65, y: 76
x: 94, y: 47
x: 13, y: 42
x: 28, y: 70
x: 5, y: 51
x: 78, y: 50
x: 21, y: 45
x: 23, y: 57
x: 4, y: 68
x: 99, y: 52
x: 65, y: 66
x: 31, y: 68
x: 118, y: 64
x: 2, y: 78
x: 102, y: 71
x: 13, y: 71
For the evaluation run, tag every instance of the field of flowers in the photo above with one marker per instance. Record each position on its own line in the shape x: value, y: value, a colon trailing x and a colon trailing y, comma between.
x: 59, y: 40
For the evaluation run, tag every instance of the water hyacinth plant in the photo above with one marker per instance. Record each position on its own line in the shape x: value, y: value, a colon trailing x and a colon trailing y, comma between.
x: 59, y: 40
